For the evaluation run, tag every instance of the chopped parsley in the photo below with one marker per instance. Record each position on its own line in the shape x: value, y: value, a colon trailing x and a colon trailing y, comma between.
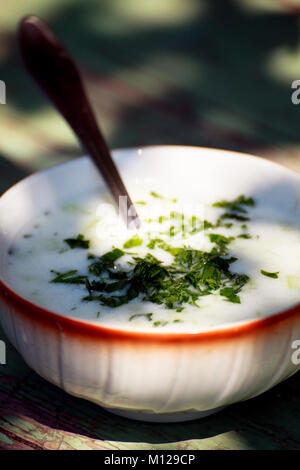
x: 237, y: 205
x: 190, y: 275
x: 152, y: 244
x: 138, y: 315
x: 69, y: 277
x: 134, y: 241
x: 160, y: 323
x: 233, y: 215
x: 268, y: 274
x: 158, y: 196
x: 105, y: 262
x: 154, y: 194
x: 162, y: 218
x: 230, y: 295
x: 78, y: 242
x: 220, y: 240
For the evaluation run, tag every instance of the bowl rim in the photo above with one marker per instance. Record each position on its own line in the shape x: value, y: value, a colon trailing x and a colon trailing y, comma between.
x: 80, y: 326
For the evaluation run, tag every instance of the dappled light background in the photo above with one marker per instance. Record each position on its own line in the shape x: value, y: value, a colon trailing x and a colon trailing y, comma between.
x: 193, y: 72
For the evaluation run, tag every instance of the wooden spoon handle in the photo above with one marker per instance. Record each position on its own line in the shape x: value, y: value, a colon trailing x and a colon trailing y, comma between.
x: 55, y: 72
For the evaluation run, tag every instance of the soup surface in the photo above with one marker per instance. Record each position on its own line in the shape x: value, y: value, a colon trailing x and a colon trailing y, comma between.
x: 190, y: 267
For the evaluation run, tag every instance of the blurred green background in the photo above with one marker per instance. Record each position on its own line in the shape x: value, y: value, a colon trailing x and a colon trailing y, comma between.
x: 192, y: 72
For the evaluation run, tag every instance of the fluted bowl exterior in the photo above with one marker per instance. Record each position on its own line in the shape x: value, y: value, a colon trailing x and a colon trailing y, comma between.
x: 144, y: 374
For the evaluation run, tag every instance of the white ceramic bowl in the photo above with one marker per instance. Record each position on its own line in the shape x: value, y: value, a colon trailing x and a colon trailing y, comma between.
x: 152, y: 376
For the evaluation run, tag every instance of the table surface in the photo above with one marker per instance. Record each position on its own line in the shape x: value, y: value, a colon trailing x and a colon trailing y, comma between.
x: 214, y: 74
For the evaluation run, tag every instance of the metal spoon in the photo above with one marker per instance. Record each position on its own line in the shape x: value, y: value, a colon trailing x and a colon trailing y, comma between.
x: 51, y: 66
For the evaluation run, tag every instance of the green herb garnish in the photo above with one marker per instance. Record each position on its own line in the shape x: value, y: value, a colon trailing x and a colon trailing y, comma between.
x: 160, y: 323
x: 190, y: 275
x: 134, y: 241
x: 158, y: 196
x: 69, y: 277
x: 152, y: 244
x: 232, y: 215
x: 220, y: 240
x: 78, y: 242
x: 268, y: 274
x: 230, y: 295
x: 237, y: 204
x: 105, y: 262
x: 154, y: 194
x: 138, y: 315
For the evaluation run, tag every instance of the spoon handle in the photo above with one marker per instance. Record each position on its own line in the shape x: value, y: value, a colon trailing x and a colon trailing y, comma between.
x: 55, y: 72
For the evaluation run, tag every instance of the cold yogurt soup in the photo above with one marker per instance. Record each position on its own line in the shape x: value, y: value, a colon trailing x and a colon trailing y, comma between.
x: 190, y: 267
